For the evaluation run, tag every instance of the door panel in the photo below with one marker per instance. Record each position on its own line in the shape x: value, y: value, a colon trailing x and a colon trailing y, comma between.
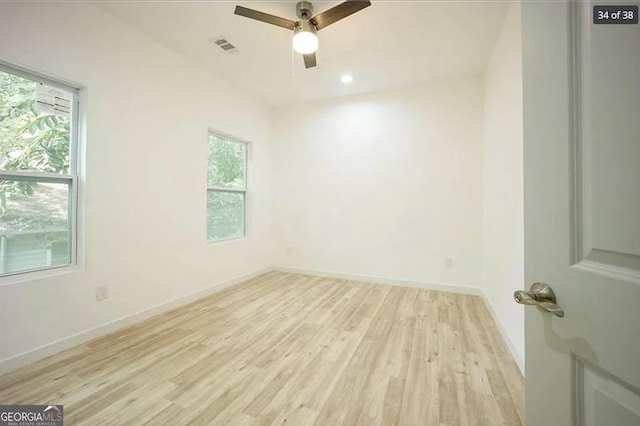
x: 608, y: 101
x: 582, y: 214
x: 601, y: 398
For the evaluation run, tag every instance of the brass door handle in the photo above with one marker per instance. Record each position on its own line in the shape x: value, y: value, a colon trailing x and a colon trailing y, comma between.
x: 540, y: 295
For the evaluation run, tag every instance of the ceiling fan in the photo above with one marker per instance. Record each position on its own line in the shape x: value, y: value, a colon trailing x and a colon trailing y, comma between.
x: 305, y: 40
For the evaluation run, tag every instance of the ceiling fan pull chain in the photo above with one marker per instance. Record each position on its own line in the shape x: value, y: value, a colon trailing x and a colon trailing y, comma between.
x: 293, y: 72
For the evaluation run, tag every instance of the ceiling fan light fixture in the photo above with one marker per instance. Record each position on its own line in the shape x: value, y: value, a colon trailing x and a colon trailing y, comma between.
x: 305, y: 40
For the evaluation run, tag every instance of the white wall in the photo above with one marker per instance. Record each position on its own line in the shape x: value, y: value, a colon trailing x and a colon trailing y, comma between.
x: 503, y: 229
x: 385, y: 185
x: 147, y: 115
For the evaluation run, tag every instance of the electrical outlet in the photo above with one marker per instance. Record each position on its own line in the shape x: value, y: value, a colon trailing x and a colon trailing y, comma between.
x: 102, y: 292
x: 448, y: 262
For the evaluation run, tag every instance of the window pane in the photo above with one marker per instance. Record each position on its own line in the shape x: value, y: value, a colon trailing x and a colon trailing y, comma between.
x: 34, y: 225
x: 225, y: 215
x: 226, y: 168
x: 35, y: 123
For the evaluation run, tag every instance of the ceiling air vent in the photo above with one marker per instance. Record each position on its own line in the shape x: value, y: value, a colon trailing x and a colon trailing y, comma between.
x: 224, y: 44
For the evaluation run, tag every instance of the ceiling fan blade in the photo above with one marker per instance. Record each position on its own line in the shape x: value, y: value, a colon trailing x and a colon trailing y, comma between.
x: 310, y: 60
x: 265, y: 17
x: 338, y: 12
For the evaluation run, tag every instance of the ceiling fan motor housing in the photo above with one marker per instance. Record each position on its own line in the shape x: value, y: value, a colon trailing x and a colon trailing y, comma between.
x: 304, y: 10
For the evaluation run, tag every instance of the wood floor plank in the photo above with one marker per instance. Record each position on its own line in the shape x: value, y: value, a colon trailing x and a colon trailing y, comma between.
x: 392, y: 401
x: 292, y: 349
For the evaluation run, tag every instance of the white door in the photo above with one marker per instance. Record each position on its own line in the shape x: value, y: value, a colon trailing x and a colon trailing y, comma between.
x: 582, y: 214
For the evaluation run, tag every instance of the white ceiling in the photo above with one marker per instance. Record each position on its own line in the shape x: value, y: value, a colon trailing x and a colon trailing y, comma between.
x: 389, y: 44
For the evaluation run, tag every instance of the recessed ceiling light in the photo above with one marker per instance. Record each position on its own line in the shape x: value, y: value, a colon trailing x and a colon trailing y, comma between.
x: 346, y: 78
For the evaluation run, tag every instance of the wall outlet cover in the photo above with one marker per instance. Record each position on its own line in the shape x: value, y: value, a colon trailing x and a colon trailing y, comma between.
x: 102, y: 292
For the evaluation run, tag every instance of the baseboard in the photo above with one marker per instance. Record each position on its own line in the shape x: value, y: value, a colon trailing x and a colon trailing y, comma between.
x: 382, y: 280
x: 25, y: 358
x: 512, y: 349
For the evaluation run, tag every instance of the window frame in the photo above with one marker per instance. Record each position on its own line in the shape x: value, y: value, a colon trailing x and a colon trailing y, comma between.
x: 244, y: 191
x: 70, y: 178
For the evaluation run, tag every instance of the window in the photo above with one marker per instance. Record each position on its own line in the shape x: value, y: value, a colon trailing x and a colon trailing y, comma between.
x: 38, y: 178
x: 226, y: 188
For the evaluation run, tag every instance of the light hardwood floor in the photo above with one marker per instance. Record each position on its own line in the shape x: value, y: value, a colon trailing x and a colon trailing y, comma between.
x: 290, y: 348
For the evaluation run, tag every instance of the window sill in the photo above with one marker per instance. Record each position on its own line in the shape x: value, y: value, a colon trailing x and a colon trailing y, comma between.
x: 226, y: 242
x: 40, y: 274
